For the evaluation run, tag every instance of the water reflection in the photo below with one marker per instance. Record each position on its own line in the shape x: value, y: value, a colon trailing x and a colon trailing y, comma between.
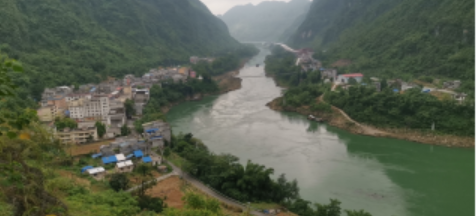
x: 383, y: 176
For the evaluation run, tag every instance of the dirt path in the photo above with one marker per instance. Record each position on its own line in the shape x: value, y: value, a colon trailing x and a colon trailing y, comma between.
x: 211, y: 192
x: 366, y: 129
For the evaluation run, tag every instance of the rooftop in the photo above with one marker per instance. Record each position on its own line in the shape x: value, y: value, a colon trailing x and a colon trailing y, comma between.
x: 125, y: 164
x: 353, y: 75
x: 96, y: 170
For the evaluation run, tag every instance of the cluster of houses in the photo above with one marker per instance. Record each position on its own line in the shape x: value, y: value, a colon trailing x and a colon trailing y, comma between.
x: 124, y: 151
x: 104, y: 102
x: 196, y: 59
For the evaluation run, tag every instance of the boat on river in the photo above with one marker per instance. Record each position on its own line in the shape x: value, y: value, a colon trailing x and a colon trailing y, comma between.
x: 257, y: 65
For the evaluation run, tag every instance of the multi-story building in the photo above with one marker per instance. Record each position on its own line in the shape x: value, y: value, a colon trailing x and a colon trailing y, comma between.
x: 97, y: 106
x: 49, y: 113
x: 77, y: 136
x: 117, y: 114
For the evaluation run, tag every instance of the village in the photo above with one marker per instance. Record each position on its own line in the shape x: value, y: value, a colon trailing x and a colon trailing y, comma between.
x: 305, y: 60
x: 104, y: 103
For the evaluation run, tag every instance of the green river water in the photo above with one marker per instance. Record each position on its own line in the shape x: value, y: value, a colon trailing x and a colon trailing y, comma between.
x: 383, y: 176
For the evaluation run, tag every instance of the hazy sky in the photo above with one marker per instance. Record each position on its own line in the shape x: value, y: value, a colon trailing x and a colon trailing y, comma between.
x: 221, y: 6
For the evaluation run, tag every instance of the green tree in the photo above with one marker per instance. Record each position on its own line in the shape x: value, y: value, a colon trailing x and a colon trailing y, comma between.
x: 146, y: 179
x: 167, y: 152
x: 357, y: 213
x: 7, y: 67
x: 125, y: 130
x: 130, y: 108
x: 352, y: 81
x: 62, y: 123
x: 383, y: 84
x: 151, y: 203
x: 101, y: 129
x: 119, y: 181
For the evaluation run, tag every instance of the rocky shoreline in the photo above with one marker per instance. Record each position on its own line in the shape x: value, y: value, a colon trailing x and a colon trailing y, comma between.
x: 337, y: 119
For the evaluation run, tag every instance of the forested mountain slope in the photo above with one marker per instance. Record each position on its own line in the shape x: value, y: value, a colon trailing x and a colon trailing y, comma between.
x: 266, y: 21
x: 395, y: 38
x: 65, y: 41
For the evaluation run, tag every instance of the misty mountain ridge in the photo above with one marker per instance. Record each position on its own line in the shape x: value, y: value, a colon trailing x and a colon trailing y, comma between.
x: 266, y: 21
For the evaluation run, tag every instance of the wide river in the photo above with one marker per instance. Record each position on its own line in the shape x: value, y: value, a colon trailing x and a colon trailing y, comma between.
x: 386, y: 177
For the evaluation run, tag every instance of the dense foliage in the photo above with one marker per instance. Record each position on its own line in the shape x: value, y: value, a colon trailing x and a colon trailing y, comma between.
x: 251, y: 182
x: 224, y: 172
x: 171, y: 92
x: 412, y: 109
x: 405, y: 38
x: 62, y: 123
x: 226, y: 63
x: 100, y: 128
x: 66, y: 42
x: 196, y: 205
x: 119, y: 181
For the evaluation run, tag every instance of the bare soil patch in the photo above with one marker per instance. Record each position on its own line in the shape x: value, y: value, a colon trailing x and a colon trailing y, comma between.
x: 170, y: 189
x: 87, y: 148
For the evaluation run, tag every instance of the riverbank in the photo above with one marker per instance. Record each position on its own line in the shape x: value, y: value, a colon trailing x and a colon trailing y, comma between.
x: 226, y: 82
x: 339, y: 119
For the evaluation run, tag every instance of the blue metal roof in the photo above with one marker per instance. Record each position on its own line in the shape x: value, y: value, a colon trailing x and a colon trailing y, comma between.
x: 96, y: 155
x: 93, y: 89
x: 110, y: 159
x: 426, y: 90
x: 395, y: 90
x: 147, y: 159
x: 156, y: 137
x: 152, y: 130
x: 138, y: 153
x: 86, y: 168
x: 129, y: 156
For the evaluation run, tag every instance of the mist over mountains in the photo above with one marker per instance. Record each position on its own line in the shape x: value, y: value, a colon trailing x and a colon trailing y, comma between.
x: 267, y: 21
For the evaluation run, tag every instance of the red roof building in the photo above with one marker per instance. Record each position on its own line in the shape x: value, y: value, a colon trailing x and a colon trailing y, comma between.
x: 352, y: 75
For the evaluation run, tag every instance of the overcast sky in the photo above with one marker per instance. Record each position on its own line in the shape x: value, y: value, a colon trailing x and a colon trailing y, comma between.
x: 221, y: 6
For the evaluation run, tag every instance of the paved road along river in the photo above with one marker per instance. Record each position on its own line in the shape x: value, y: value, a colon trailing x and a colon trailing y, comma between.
x: 386, y: 177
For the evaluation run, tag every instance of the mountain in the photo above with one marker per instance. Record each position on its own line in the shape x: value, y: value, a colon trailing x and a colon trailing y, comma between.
x: 79, y: 41
x: 395, y: 38
x: 267, y: 21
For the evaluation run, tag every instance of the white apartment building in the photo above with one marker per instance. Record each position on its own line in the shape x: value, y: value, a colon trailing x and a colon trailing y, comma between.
x: 97, y: 106
x: 73, y: 97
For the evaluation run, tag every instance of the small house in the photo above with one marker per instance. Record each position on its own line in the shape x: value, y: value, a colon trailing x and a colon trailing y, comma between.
x: 124, y: 166
x: 147, y: 159
x: 108, y: 160
x: 97, y: 173
x: 460, y: 97
x: 86, y: 168
x: 344, y: 78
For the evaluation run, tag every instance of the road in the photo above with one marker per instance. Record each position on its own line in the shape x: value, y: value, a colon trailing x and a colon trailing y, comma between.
x: 173, y: 173
x: 368, y: 130
x: 199, y: 185
x: 212, y: 192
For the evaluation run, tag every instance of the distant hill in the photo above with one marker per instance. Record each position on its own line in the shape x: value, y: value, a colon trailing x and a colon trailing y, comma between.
x: 267, y: 21
x: 66, y: 41
x: 407, y: 38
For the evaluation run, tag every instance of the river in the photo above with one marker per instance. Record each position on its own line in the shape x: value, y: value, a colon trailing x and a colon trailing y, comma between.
x: 386, y: 177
